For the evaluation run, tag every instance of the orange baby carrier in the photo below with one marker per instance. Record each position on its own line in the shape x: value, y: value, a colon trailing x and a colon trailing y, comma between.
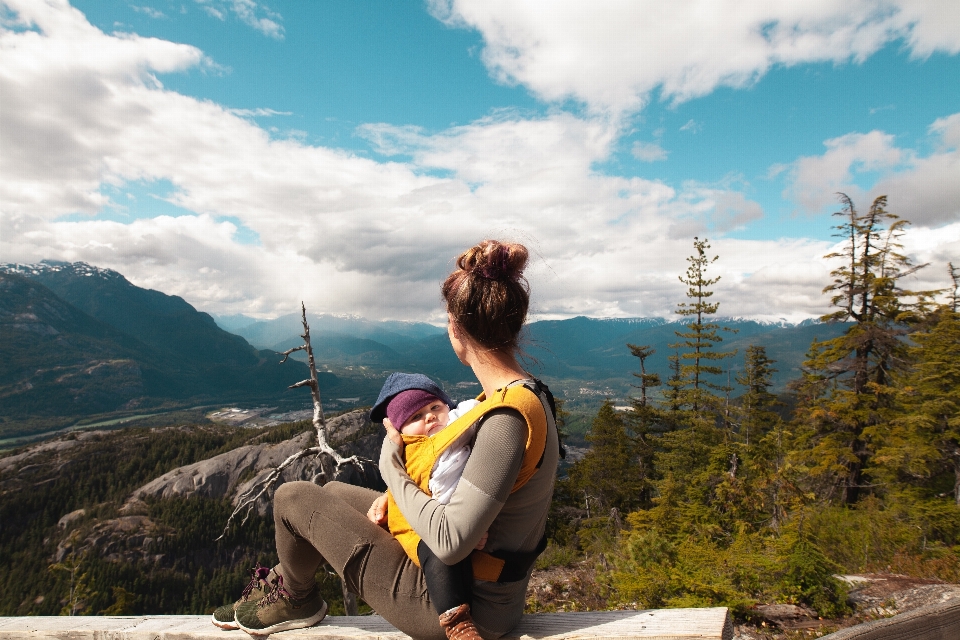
x: 422, y: 453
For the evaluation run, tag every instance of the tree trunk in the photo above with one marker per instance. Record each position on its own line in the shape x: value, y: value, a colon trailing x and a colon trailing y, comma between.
x: 956, y: 477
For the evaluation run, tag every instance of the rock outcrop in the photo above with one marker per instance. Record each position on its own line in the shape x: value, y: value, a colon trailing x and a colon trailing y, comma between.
x: 229, y: 474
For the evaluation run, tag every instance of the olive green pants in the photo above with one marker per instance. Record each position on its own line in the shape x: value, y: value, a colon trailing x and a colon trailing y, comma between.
x: 329, y: 523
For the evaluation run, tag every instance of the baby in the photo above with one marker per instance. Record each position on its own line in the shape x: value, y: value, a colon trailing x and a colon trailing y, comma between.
x: 416, y: 406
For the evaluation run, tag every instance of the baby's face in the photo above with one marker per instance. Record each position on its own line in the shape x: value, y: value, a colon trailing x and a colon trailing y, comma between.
x: 428, y: 420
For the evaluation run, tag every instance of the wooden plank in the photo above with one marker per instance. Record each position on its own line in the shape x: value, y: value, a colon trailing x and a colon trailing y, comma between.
x: 661, y: 624
x: 940, y: 621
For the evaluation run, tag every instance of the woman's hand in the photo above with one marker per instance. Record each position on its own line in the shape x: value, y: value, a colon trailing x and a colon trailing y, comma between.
x: 483, y: 541
x: 377, y: 513
x: 392, y: 432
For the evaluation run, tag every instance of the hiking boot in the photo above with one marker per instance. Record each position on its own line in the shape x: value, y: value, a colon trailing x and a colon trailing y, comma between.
x: 458, y: 624
x: 261, y: 583
x: 280, y: 611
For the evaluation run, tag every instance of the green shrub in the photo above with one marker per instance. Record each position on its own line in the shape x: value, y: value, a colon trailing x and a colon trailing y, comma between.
x: 809, y: 580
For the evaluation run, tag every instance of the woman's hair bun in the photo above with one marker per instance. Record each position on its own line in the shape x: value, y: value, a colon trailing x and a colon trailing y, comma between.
x: 495, y: 260
x: 487, y: 295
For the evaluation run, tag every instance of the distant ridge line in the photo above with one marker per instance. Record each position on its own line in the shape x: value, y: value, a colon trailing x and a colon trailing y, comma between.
x: 55, y: 266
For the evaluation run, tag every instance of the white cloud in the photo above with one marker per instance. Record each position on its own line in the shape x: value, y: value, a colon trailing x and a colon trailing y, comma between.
x: 948, y: 129
x: 260, y: 17
x: 156, y: 14
x: 258, y: 112
x: 923, y: 190
x: 213, y: 12
x: 611, y: 54
x: 648, y: 151
x: 83, y: 112
x: 817, y: 179
x: 928, y: 192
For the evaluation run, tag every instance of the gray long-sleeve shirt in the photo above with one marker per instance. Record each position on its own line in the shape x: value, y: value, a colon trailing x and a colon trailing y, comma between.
x: 483, y: 502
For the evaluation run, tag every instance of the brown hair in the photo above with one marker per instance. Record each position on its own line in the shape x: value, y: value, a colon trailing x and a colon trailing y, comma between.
x: 487, y: 295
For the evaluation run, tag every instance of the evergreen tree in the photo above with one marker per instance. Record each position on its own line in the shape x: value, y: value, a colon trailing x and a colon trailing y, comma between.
x: 955, y: 292
x: 608, y: 476
x: 922, y: 445
x: 701, y: 336
x: 646, y: 420
x: 756, y: 404
x: 647, y: 380
x: 674, y: 396
x: 763, y: 440
x: 852, y: 391
x: 696, y: 460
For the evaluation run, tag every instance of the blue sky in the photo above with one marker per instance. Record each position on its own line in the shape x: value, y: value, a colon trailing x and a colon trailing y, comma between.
x: 247, y: 155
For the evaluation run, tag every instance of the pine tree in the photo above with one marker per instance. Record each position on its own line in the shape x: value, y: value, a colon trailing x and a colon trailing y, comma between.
x: 701, y: 336
x: 608, y: 476
x: 763, y: 439
x: 922, y: 444
x: 696, y: 460
x: 954, y: 295
x: 851, y: 391
x: 756, y: 415
x: 646, y: 421
x: 647, y: 380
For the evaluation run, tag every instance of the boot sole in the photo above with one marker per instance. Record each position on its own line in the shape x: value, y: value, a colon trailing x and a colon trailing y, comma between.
x: 226, y: 626
x: 299, y: 623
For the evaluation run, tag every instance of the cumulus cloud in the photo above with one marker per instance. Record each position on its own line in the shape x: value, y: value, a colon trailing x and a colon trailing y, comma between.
x: 84, y: 116
x: 611, y: 54
x: 817, y: 179
x: 924, y: 190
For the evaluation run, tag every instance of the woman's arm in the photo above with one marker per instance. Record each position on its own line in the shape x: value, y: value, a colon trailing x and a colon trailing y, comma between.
x: 453, y: 530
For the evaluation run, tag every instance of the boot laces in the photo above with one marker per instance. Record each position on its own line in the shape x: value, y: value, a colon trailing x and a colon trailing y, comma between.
x: 257, y: 575
x: 274, y: 595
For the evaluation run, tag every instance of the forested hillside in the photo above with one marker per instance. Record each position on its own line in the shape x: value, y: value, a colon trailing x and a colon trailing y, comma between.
x: 699, y: 499
x: 85, y: 544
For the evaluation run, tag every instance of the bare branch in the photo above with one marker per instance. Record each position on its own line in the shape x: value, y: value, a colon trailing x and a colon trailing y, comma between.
x: 286, y: 354
x: 331, y: 462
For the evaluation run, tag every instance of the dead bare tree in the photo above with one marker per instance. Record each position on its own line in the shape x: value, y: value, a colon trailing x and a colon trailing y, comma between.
x: 332, y: 463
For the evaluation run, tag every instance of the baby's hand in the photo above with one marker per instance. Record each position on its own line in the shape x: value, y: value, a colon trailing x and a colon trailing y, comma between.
x: 392, y: 432
x: 483, y: 541
x: 377, y: 513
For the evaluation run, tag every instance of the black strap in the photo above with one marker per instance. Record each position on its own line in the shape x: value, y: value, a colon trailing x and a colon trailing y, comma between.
x: 545, y: 390
x: 517, y: 563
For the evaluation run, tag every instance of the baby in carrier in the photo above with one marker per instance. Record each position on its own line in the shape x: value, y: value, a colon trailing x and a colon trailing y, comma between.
x: 418, y: 408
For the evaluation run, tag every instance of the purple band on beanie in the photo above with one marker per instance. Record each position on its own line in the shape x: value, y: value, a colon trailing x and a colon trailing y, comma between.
x: 407, y: 403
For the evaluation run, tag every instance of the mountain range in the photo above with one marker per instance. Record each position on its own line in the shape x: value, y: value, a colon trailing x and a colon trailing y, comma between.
x: 78, y: 340
x: 566, y: 353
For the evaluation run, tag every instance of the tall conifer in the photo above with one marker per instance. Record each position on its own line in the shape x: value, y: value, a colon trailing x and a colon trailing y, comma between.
x: 853, y: 388
x: 922, y: 444
x: 698, y: 342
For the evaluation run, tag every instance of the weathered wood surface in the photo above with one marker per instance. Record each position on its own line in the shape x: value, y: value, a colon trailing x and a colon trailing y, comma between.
x: 660, y: 624
x: 939, y: 621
